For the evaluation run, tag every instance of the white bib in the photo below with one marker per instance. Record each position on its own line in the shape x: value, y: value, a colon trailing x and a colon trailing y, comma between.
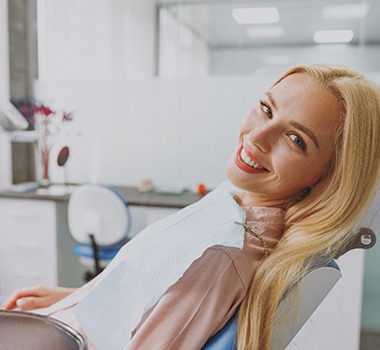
x: 153, y: 261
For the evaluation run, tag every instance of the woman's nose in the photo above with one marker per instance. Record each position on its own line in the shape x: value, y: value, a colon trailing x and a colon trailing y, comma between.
x: 263, y: 137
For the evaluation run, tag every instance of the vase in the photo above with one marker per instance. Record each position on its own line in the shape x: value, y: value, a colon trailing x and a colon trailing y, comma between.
x: 45, y: 181
x: 46, y: 128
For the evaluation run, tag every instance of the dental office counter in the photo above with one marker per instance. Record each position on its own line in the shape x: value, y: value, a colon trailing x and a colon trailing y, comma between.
x: 130, y: 194
x: 36, y: 245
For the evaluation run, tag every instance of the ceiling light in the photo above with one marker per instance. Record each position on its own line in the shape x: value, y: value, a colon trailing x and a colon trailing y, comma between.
x: 251, y: 15
x: 333, y: 36
x: 345, y: 11
x: 265, y: 32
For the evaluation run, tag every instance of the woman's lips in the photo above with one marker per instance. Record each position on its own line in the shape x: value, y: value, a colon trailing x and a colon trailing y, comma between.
x: 247, y: 163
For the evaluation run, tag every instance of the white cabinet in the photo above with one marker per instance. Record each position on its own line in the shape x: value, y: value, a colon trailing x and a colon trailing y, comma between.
x: 35, y: 245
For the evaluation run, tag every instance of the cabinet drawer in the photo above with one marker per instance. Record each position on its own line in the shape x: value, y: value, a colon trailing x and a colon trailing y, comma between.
x: 12, y: 280
x: 28, y: 250
x: 36, y: 245
x: 19, y: 271
x: 26, y: 220
x: 17, y: 274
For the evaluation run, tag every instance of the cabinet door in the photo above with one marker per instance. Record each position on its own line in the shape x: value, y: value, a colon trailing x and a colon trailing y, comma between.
x: 28, y: 243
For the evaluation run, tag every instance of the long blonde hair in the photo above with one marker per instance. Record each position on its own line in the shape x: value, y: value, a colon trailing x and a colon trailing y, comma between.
x: 322, y: 224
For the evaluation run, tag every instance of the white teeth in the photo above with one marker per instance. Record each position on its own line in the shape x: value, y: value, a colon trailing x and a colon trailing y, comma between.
x: 247, y: 160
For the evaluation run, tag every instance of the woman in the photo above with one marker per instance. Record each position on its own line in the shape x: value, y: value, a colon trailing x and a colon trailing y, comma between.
x: 304, y: 172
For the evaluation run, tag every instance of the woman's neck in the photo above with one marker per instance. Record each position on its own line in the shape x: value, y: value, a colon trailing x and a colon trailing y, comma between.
x: 249, y: 199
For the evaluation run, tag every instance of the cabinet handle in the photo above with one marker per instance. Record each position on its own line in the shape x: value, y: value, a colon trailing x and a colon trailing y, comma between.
x: 21, y: 244
x: 22, y: 214
x: 28, y: 274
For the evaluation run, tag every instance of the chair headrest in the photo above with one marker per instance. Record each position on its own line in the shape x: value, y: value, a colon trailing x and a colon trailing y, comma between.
x: 365, y: 238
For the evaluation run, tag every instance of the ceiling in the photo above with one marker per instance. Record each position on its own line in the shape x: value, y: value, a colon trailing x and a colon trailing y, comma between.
x: 212, y: 21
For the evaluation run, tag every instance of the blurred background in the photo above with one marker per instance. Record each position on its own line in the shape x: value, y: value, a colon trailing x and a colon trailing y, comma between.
x: 158, y: 88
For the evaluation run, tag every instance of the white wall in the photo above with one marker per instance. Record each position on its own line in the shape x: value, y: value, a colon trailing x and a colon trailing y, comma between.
x: 172, y: 131
x: 95, y: 39
x: 182, y: 54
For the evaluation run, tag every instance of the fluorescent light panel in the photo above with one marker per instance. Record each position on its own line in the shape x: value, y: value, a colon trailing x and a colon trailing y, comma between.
x: 268, y: 31
x: 333, y: 36
x: 252, y: 15
x: 345, y: 11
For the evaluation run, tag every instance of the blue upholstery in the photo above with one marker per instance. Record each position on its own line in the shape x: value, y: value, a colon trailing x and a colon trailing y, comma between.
x: 85, y: 250
x: 225, y: 339
x: 333, y: 264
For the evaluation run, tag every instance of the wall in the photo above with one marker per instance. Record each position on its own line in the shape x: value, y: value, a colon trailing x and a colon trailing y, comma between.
x: 181, y: 53
x: 95, y: 39
x: 175, y: 132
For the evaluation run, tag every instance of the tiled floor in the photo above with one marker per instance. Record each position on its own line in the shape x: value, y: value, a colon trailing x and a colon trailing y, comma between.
x: 369, y: 340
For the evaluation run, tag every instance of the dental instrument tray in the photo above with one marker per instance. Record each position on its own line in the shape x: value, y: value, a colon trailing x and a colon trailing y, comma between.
x: 25, y: 330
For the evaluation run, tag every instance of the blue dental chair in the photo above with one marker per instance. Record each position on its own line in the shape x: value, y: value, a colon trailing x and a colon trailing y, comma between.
x: 293, y: 315
x: 100, y: 221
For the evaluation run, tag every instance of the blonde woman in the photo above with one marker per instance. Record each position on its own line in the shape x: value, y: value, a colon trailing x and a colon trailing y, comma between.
x: 303, y: 173
x: 323, y: 224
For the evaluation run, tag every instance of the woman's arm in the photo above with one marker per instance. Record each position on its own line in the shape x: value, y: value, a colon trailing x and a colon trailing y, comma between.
x: 35, y: 297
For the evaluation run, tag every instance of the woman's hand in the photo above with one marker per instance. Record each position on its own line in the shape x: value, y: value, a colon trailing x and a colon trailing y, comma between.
x: 35, y: 297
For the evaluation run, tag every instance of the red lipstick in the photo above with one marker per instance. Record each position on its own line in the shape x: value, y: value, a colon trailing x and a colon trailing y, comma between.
x: 245, y: 167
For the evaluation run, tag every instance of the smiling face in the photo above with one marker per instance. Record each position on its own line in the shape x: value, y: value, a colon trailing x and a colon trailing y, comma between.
x: 285, y: 143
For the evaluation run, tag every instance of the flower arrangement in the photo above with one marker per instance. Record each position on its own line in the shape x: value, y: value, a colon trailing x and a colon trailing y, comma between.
x: 47, y: 123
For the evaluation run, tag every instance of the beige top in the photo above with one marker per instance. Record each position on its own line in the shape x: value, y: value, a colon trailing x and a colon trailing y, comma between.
x: 203, y: 299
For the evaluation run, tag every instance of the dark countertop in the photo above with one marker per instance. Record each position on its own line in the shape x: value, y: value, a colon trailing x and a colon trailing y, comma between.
x: 130, y: 194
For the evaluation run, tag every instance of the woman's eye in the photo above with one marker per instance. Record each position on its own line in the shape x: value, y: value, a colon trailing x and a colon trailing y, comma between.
x: 266, y: 109
x: 298, y: 141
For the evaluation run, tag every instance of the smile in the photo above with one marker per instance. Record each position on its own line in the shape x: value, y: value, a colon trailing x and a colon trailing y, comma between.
x: 247, y: 160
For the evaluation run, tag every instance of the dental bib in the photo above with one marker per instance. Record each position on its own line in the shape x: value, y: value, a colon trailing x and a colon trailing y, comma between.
x: 153, y: 261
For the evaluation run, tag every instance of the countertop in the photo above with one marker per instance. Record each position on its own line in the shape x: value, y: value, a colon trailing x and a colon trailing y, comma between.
x: 130, y: 194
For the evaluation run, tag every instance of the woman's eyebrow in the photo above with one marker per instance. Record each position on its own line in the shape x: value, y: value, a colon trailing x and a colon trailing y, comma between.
x: 307, y: 131
x: 269, y: 95
x: 297, y: 125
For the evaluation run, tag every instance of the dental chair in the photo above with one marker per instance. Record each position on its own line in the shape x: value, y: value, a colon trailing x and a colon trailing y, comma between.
x: 300, y: 303
x: 99, y: 220
x: 27, y: 331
